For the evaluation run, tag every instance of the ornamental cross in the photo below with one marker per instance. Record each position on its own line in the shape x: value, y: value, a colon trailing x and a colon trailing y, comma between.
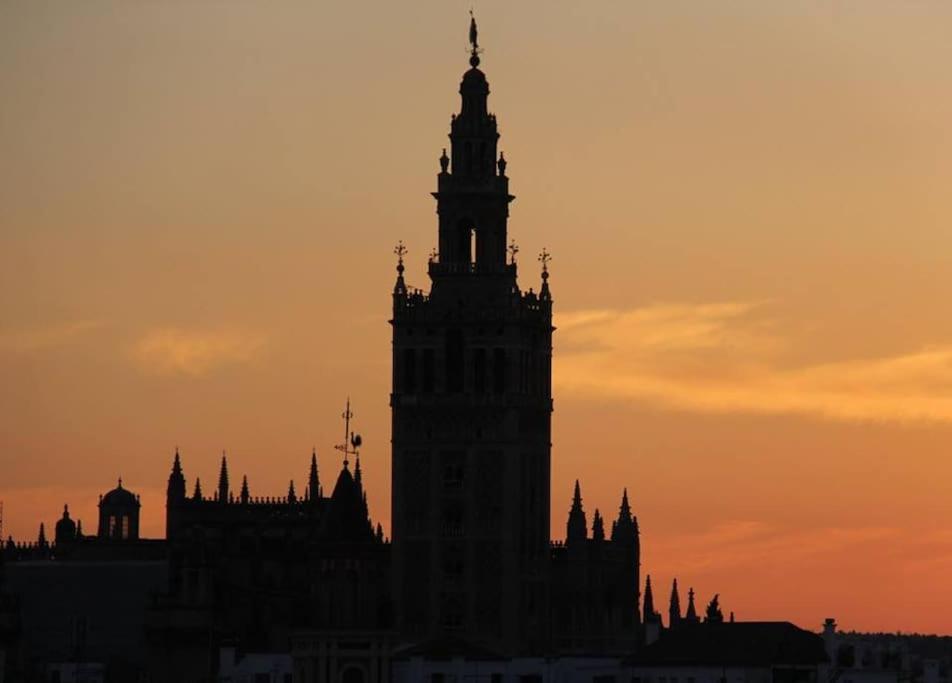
x: 400, y: 250
x: 513, y: 249
x: 544, y: 258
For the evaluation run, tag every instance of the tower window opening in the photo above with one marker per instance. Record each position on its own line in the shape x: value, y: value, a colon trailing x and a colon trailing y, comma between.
x: 125, y: 526
x: 499, y: 370
x: 454, y: 361
x: 428, y: 371
x: 409, y: 371
x: 479, y: 371
x: 113, y: 526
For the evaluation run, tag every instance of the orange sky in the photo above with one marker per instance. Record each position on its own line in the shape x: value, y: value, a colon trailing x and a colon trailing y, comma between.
x: 747, y: 204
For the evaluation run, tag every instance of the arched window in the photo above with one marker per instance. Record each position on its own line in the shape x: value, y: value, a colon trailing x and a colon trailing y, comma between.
x: 454, y: 361
x: 409, y: 371
x: 499, y: 371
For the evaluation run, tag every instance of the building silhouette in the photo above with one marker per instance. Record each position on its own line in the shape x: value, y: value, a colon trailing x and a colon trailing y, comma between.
x: 305, y: 580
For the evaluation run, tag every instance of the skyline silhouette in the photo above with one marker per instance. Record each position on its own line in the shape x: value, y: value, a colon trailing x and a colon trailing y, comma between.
x: 200, y: 256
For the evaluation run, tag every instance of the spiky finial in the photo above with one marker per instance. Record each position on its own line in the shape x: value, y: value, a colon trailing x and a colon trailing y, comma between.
x: 576, y: 529
x: 598, y: 527
x: 313, y: 483
x: 674, y: 607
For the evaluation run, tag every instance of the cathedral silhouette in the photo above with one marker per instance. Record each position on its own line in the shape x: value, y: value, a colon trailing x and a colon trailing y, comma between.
x: 304, y: 586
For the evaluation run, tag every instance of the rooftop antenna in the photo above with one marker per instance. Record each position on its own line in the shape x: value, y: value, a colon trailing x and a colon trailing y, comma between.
x: 1, y: 519
x: 352, y: 442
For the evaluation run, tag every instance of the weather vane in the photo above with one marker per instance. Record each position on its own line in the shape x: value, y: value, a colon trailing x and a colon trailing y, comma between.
x: 513, y: 249
x: 352, y: 442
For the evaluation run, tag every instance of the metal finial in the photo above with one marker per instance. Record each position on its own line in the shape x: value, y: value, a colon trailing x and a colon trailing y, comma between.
x: 473, y: 41
x: 400, y: 250
x: 513, y: 249
x: 544, y: 258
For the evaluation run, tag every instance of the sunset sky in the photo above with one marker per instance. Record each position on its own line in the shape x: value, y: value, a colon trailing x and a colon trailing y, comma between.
x: 748, y: 205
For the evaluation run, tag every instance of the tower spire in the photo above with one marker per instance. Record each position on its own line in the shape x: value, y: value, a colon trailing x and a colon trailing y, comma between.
x: 598, y: 527
x: 649, y: 611
x: 245, y: 493
x: 400, y: 288
x: 176, y: 489
x: 313, y: 483
x: 625, y: 528
x: 674, y: 607
x: 576, y: 529
x: 690, y: 616
x: 223, y: 480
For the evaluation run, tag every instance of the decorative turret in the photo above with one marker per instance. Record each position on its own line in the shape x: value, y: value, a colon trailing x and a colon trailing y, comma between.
x: 65, y: 528
x: 598, y: 527
x: 119, y: 514
x: 292, y: 496
x: 313, y: 483
x: 674, y: 607
x: 41, y: 537
x: 223, y: 481
x: 245, y: 494
x: 544, y: 293
x: 174, y: 497
x: 576, y: 529
x: 625, y: 528
x: 176, y: 488
x: 400, y: 287
x: 690, y: 616
x: 197, y: 494
x: 650, y: 615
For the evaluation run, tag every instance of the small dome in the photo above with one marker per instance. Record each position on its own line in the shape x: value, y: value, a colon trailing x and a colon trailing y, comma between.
x: 120, y: 497
x: 65, y: 527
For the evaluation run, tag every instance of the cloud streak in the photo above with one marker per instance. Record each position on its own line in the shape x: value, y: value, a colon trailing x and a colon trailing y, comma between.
x: 729, y: 358
x: 176, y: 351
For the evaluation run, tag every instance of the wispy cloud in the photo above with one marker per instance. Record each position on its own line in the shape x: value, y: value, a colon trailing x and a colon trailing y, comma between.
x: 195, y: 352
x: 729, y: 357
x: 28, y: 340
x: 748, y: 543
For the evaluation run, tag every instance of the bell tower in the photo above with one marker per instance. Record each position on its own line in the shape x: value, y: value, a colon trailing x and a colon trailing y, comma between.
x: 471, y: 410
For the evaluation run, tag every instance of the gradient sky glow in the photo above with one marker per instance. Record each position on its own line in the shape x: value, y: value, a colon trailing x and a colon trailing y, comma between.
x: 747, y: 202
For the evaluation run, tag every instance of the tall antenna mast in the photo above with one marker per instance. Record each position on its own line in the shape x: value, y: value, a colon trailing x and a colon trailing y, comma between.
x: 1, y: 520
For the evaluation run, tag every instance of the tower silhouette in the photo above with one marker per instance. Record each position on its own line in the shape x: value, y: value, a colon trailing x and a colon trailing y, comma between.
x: 471, y: 410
